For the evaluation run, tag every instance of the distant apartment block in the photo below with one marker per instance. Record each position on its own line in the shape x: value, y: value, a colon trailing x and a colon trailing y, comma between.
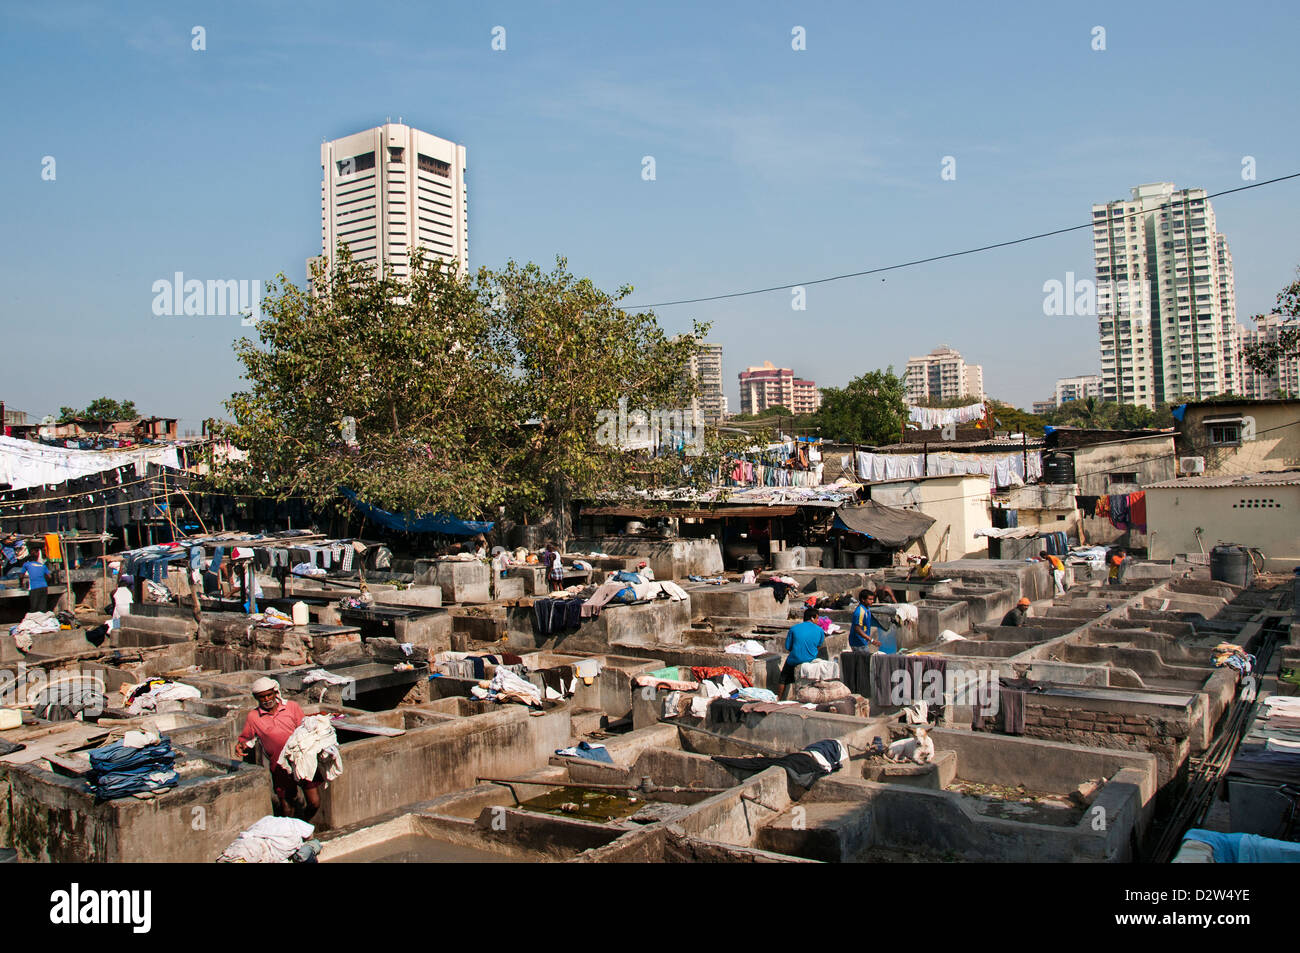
x: 1077, y: 388
x: 1284, y: 379
x: 390, y: 189
x: 942, y: 375
x: 1042, y: 407
x: 770, y: 386
x: 1166, y: 300
x: 706, y: 368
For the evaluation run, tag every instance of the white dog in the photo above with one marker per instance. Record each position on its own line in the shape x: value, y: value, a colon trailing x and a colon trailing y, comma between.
x: 918, y: 748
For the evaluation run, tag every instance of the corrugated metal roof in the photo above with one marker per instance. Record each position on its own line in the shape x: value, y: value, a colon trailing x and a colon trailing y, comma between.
x: 1278, y: 478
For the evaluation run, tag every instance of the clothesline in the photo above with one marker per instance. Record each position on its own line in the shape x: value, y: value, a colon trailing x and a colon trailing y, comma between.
x: 1009, y: 469
x: 1125, y: 510
x: 933, y: 418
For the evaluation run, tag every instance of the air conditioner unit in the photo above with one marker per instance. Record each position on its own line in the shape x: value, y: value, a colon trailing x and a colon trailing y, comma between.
x: 1189, y: 465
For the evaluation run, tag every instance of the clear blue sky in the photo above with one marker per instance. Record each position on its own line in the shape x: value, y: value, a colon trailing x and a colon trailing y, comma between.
x: 772, y: 165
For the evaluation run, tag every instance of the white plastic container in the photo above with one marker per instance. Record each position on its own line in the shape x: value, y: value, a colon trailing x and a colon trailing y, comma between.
x: 300, y: 614
x: 10, y: 718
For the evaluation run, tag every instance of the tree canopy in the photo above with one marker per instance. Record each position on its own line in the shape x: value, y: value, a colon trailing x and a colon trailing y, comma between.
x: 869, y: 409
x: 100, y: 410
x: 455, y: 392
x: 1265, y: 356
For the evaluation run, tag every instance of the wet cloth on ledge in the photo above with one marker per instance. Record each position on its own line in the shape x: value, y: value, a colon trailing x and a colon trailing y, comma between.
x: 804, y: 767
x: 588, y: 750
x: 701, y: 672
x: 556, y: 615
x: 885, y: 671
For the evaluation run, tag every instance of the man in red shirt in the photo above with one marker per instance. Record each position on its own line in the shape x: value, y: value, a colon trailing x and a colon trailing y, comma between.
x: 271, y: 723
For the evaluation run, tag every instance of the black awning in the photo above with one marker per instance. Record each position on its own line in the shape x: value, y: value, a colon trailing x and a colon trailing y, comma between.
x: 885, y: 524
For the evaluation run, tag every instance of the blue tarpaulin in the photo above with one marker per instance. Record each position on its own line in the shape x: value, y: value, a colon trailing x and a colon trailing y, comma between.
x: 411, y: 523
x: 1246, y: 848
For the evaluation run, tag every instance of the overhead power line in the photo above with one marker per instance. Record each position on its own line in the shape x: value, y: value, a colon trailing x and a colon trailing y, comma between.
x: 923, y: 261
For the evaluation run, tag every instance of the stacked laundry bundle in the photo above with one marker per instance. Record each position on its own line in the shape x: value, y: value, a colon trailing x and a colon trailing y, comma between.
x: 140, y: 764
x: 273, y: 618
x: 747, y: 647
x: 469, y: 665
x: 1233, y: 656
x: 273, y: 840
x: 312, y: 751
x: 145, y: 697
x: 506, y: 686
x: 33, y: 623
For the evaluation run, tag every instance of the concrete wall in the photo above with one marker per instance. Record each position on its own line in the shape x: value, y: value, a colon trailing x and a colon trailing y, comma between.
x: 56, y: 820
x: 648, y: 625
x: 668, y: 558
x: 1259, y: 517
x: 380, y: 773
x: 941, y: 822
x: 959, y: 502
x: 1276, y: 445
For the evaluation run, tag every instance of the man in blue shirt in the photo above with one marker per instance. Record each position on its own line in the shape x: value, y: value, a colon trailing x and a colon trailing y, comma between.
x: 37, y: 584
x: 803, y: 642
x: 860, y: 639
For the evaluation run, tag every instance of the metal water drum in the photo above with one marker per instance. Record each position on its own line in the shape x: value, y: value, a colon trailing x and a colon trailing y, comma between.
x: 1231, y: 564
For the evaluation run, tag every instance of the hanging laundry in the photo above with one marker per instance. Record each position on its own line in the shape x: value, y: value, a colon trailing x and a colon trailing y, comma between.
x: 1137, y: 511
x: 1119, y: 512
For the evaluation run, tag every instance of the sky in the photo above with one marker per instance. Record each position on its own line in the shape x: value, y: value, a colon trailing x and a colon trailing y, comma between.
x: 772, y: 166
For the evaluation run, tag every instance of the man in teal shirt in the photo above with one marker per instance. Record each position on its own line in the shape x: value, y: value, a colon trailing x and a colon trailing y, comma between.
x: 860, y: 639
x: 803, y: 642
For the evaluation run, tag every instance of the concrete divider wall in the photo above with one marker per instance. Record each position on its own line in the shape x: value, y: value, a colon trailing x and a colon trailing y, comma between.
x: 55, y: 819
x: 383, y: 773
x: 667, y: 558
x: 910, y: 818
x: 1048, y: 767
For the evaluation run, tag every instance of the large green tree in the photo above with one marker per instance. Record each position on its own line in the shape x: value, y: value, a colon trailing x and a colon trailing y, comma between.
x: 398, y: 390
x: 583, y: 363
x: 868, y: 410
x: 101, y: 410
x: 450, y: 392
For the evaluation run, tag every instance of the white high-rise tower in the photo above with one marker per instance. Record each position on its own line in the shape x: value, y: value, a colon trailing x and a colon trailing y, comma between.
x: 392, y: 188
x: 1165, y: 298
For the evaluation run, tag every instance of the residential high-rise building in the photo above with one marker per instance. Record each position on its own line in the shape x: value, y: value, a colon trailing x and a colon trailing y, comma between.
x: 807, y: 398
x: 390, y: 189
x: 1284, y: 381
x: 706, y: 368
x: 1044, y: 406
x: 1077, y: 388
x: 1166, y: 308
x: 770, y: 386
x: 942, y: 375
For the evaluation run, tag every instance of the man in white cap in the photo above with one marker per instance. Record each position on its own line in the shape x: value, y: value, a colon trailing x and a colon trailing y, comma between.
x: 271, y: 723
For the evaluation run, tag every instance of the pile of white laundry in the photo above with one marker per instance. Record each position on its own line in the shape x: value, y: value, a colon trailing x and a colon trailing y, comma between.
x: 312, y: 747
x: 272, y: 840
